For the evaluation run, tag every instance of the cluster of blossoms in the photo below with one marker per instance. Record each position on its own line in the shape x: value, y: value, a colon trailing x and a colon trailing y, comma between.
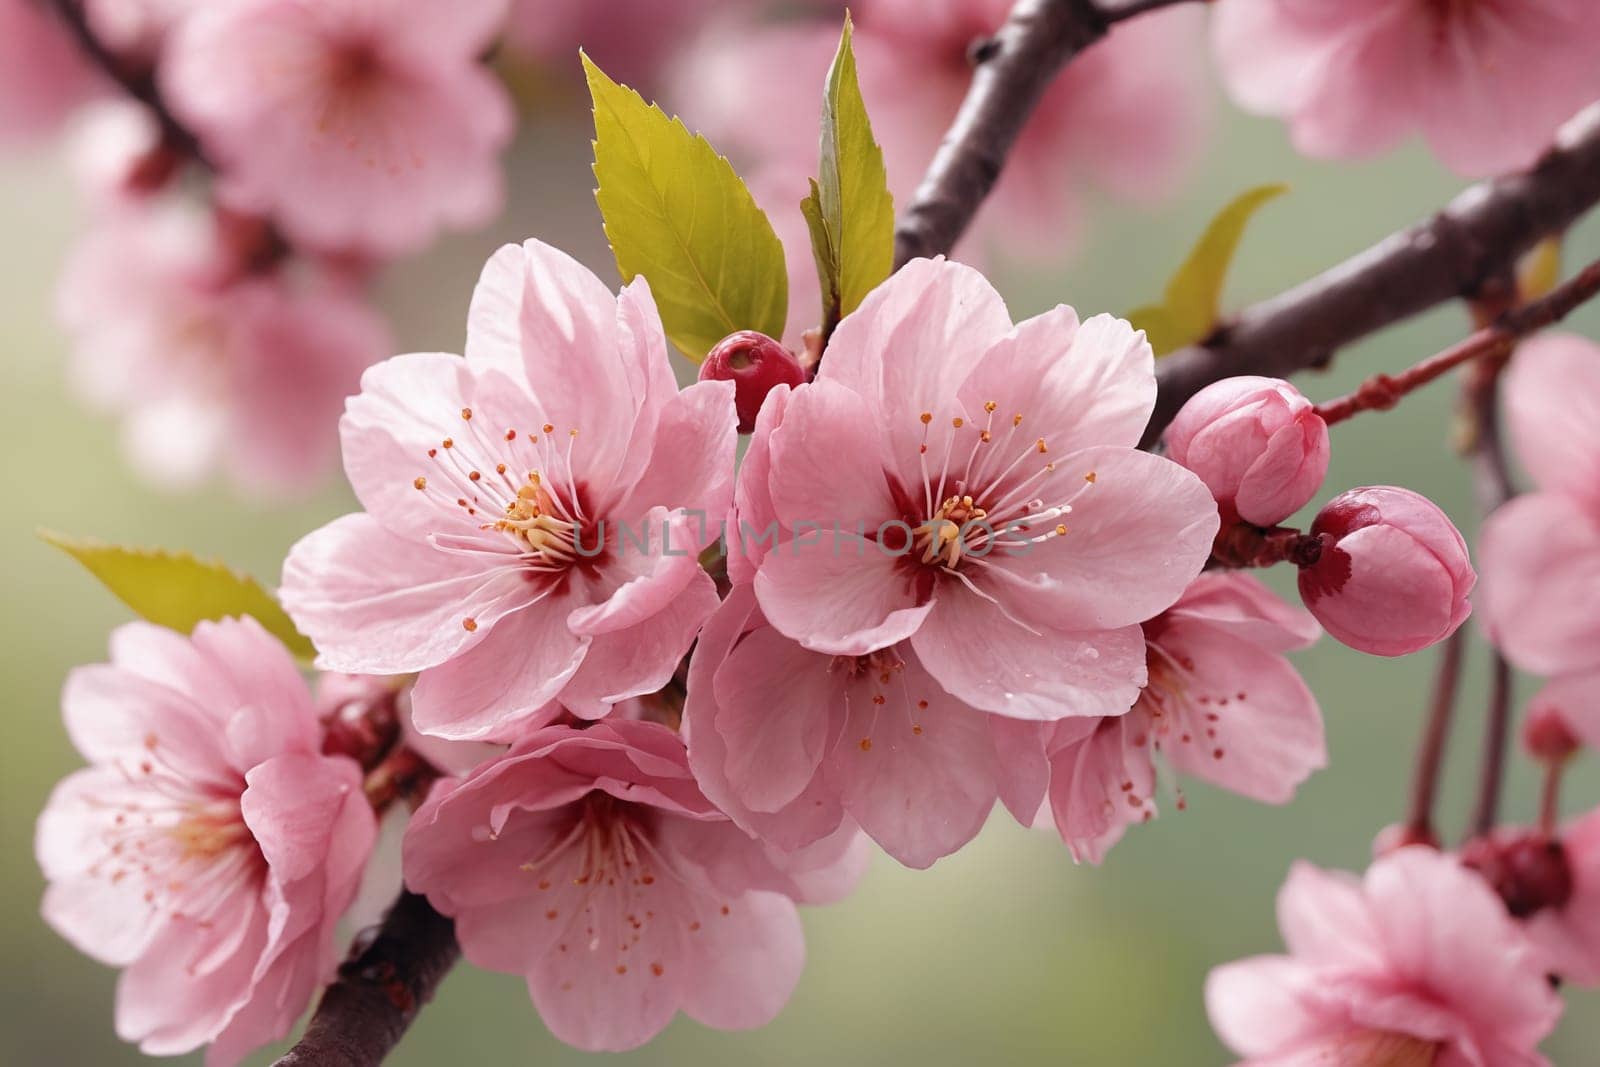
x: 951, y: 578
x: 643, y: 700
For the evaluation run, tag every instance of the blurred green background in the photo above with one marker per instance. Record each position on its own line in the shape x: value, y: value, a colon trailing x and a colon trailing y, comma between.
x: 1005, y: 953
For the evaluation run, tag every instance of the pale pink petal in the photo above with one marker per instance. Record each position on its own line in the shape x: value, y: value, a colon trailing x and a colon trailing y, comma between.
x: 649, y: 564
x: 1241, y: 605
x: 916, y: 766
x: 1541, y: 564
x: 1552, y: 402
x: 1325, y: 919
x: 753, y: 523
x: 1139, y: 530
x: 1264, y: 734
x: 1259, y: 1006
x: 641, y: 659
x: 744, y: 962
x: 1024, y: 772
x: 1442, y: 924
x: 827, y: 462
x: 774, y: 701
x: 992, y: 662
x: 1101, y: 782
x: 816, y: 812
x: 493, y: 687
x: 909, y: 345
x: 1081, y: 385
x: 841, y: 597
x: 290, y: 803
x: 691, y: 459
x: 540, y: 312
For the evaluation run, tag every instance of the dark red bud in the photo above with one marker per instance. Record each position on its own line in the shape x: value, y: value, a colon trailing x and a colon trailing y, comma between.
x: 363, y: 728
x: 1547, y: 737
x: 755, y: 364
x: 1530, y: 871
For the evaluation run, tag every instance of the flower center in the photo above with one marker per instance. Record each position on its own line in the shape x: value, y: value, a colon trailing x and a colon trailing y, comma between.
x: 210, y: 830
x: 984, y: 492
x: 180, y: 850
x: 944, y: 535
x: 533, y: 517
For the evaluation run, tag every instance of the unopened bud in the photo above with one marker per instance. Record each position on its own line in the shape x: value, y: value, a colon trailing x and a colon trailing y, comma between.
x: 755, y: 364
x: 1393, y: 575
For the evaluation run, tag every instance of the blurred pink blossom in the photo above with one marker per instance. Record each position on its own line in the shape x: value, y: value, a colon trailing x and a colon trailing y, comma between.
x: 1257, y: 443
x: 1394, y: 574
x: 43, y: 76
x: 590, y: 861
x: 356, y: 125
x: 972, y: 487
x: 1129, y: 116
x: 1541, y: 552
x: 209, y: 368
x: 533, y: 511
x: 1485, y: 83
x: 210, y: 848
x: 1222, y: 704
x: 1416, y: 963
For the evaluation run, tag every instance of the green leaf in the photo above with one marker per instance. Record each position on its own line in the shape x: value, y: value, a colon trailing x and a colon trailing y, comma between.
x: 1190, y: 308
x: 676, y: 212
x: 850, y: 211
x: 176, y: 590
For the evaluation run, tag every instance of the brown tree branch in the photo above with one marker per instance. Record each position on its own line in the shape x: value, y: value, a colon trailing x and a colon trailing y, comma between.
x: 1479, y: 235
x: 380, y: 989
x: 1013, y: 70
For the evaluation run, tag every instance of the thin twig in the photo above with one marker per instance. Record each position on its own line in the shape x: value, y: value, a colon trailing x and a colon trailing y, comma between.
x: 1479, y: 235
x: 1013, y: 70
x: 138, y: 82
x: 1496, y: 734
x: 1435, y: 735
x: 1493, y: 342
x: 380, y: 989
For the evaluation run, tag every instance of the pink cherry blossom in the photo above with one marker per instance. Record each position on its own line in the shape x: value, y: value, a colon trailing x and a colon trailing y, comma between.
x: 971, y: 487
x: 1393, y: 576
x: 116, y: 154
x: 209, y: 368
x: 42, y: 73
x: 533, y: 511
x: 1222, y: 705
x: 355, y: 124
x: 1416, y: 963
x: 791, y: 742
x: 1569, y: 934
x: 1541, y: 552
x: 210, y: 848
x: 590, y: 862
x: 1128, y: 116
x: 1257, y: 443
x: 1485, y: 83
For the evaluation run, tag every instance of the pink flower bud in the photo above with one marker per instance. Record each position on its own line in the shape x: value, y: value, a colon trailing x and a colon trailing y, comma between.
x: 1393, y: 576
x: 1546, y: 735
x: 755, y: 364
x: 1257, y: 443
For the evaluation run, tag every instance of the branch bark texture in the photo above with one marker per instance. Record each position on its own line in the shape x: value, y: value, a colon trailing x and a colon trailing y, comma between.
x: 380, y: 989
x: 1479, y: 235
